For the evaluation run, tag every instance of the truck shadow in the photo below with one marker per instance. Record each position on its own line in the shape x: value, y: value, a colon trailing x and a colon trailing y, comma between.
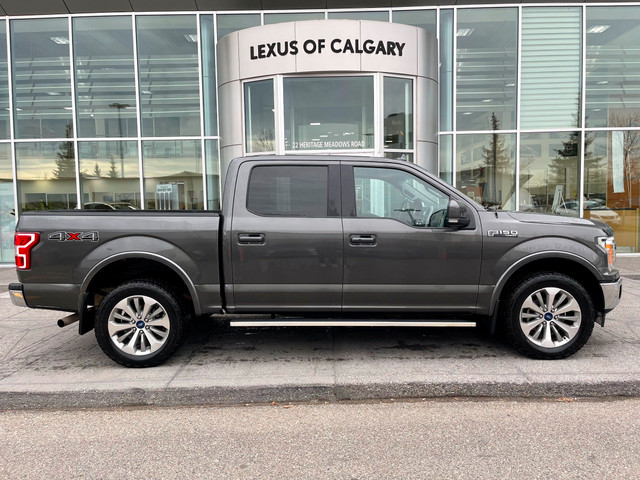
x: 208, y: 340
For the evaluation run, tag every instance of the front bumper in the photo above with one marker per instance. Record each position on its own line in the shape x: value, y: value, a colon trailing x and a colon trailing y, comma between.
x: 611, y: 292
x: 17, y: 294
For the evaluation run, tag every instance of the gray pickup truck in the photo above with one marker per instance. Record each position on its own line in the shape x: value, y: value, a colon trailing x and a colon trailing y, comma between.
x: 324, y: 241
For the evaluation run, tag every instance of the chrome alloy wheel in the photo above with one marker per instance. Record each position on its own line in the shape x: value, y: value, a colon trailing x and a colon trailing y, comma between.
x: 550, y: 317
x: 138, y: 325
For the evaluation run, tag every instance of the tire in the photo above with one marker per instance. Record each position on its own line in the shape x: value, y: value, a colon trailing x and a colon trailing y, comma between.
x: 549, y: 316
x: 140, y: 324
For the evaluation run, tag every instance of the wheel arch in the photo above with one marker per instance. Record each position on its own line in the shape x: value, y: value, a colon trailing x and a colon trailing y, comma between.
x: 566, y: 263
x: 126, y: 266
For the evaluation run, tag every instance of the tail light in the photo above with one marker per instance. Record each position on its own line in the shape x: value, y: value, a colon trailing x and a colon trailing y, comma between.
x: 24, y: 243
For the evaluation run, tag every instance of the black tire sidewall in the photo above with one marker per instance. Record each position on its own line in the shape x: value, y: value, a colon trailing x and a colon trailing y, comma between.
x: 537, y: 282
x: 165, y: 297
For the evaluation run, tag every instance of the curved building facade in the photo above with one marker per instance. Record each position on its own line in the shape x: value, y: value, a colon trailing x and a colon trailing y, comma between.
x: 532, y: 107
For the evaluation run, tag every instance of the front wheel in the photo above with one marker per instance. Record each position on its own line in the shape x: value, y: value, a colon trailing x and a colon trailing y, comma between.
x: 140, y: 324
x: 549, y: 316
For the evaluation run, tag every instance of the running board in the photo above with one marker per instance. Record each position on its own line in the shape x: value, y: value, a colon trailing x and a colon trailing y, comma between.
x: 350, y: 323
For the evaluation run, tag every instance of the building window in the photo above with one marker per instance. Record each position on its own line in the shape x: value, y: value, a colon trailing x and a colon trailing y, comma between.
x: 551, y: 62
x: 7, y: 214
x: 612, y: 183
x: 486, y: 69
x: 109, y: 175
x: 234, y: 22
x: 173, y: 175
x: 425, y: 19
x: 259, y: 116
x: 361, y: 15
x: 169, y: 86
x: 328, y: 113
x: 5, y: 130
x: 613, y: 67
x: 271, y: 18
x: 486, y: 169
x: 46, y: 176
x: 398, y: 113
x: 212, y: 169
x: 105, y: 79
x: 41, y: 78
x: 550, y: 172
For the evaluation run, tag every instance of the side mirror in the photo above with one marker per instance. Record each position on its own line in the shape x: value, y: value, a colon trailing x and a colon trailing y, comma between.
x: 457, y: 215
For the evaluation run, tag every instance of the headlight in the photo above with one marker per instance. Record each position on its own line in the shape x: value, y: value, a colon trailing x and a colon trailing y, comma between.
x: 608, y: 244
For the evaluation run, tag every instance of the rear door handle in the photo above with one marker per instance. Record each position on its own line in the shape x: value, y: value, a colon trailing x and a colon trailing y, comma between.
x: 251, y: 238
x: 356, y: 240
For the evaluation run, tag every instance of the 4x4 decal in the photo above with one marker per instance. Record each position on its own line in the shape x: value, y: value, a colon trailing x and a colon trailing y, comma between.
x: 74, y: 236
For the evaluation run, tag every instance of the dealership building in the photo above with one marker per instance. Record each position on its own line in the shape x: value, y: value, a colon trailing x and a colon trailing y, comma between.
x: 521, y: 106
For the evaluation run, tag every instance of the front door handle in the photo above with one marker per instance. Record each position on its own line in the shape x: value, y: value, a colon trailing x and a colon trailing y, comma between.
x: 359, y: 239
x: 251, y: 238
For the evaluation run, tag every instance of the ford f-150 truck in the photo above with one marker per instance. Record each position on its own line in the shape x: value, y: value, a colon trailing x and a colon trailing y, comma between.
x: 325, y: 241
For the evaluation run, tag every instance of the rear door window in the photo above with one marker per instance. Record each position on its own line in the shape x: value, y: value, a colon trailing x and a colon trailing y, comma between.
x: 290, y: 191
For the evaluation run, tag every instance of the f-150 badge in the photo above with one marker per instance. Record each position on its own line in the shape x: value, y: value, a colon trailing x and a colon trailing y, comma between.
x: 74, y: 236
x: 502, y: 233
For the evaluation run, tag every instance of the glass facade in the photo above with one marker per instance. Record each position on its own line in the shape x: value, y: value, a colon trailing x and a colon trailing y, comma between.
x: 539, y: 109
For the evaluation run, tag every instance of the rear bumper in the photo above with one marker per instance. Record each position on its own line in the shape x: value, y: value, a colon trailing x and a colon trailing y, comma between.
x: 16, y: 294
x: 611, y: 292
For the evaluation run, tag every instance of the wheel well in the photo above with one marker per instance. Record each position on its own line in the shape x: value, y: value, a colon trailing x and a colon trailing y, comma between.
x: 560, y: 265
x: 128, y: 269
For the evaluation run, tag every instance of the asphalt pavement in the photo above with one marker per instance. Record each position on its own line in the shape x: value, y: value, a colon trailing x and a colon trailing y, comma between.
x: 44, y: 366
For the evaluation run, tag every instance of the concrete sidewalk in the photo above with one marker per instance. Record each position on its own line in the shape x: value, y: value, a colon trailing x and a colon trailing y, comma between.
x: 44, y: 366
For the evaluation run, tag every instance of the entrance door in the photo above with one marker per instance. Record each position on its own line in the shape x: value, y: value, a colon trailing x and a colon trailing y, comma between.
x: 398, y: 253
x: 287, y: 237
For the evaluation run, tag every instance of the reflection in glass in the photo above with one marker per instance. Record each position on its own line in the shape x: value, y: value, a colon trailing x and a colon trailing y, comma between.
x: 172, y: 175
x: 4, y: 84
x: 486, y: 68
x: 169, y: 90
x: 398, y: 113
x: 418, y: 18
x: 212, y: 170
x: 259, y: 116
x: 271, y: 18
x: 328, y: 113
x: 46, y: 176
x: 549, y: 172
x: 613, y: 67
x: 446, y: 158
x: 405, y: 156
x: 105, y: 81
x: 109, y: 175
x: 42, y: 82
x: 7, y: 217
x: 551, y: 53
x: 612, y: 184
x: 362, y: 15
x: 446, y: 70
x: 209, y: 86
x: 234, y: 22
x: 485, y: 169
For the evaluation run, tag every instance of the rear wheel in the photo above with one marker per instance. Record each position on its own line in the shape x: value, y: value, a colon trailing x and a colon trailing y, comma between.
x: 140, y: 324
x: 549, y: 316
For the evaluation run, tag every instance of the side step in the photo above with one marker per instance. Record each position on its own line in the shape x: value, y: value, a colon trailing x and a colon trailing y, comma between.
x: 350, y: 323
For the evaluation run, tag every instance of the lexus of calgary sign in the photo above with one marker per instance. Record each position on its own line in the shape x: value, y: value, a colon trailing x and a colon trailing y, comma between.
x: 336, y: 45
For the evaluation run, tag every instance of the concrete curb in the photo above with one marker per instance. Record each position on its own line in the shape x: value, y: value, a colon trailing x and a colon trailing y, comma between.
x: 185, y: 397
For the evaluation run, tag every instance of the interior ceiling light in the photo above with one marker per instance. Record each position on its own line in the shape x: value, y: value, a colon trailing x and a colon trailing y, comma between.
x: 54, y: 94
x: 190, y: 37
x: 465, y: 32
x: 466, y: 113
x: 60, y: 40
x: 598, y: 28
x: 603, y: 82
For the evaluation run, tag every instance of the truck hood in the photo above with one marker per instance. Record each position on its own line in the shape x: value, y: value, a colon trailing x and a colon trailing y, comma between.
x: 528, y: 217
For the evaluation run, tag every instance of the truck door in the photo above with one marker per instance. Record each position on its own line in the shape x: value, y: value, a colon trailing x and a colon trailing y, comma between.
x: 287, y: 252
x: 399, y: 255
